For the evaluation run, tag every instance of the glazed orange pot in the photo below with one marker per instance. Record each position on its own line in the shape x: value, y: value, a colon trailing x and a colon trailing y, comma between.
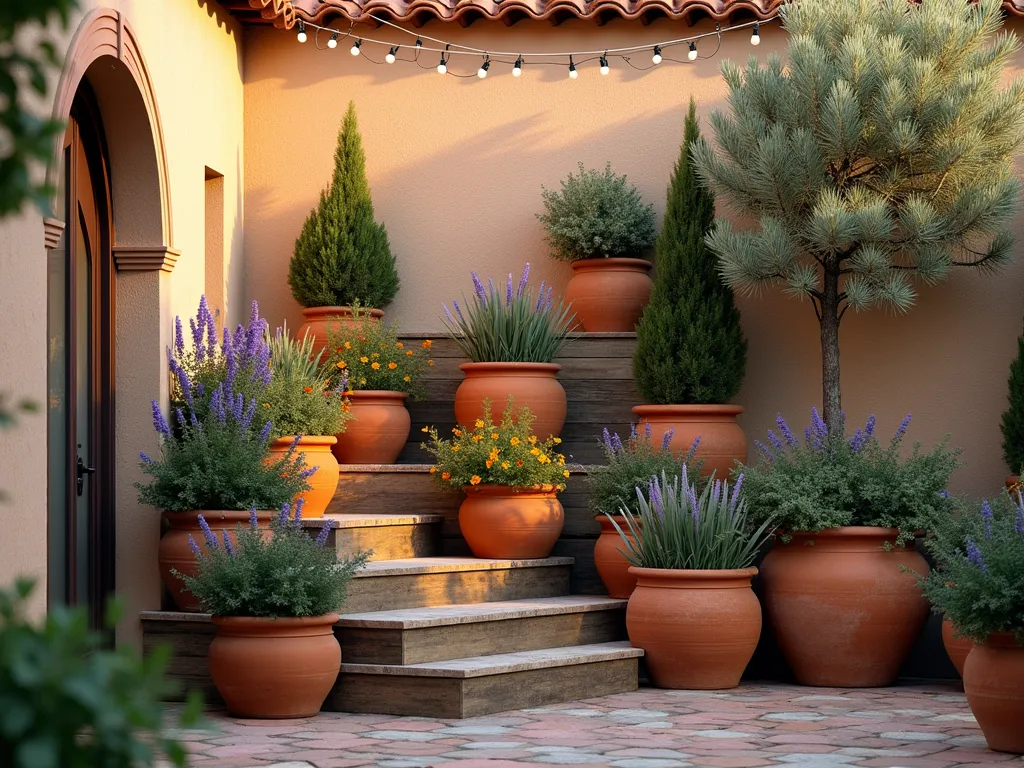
x: 173, y: 551
x: 319, y: 318
x: 994, y: 684
x: 531, y: 384
x: 324, y: 482
x: 722, y: 442
x: 698, y: 629
x: 510, y: 523
x: 609, y: 295
x: 957, y: 648
x: 274, y: 668
x: 378, y: 429
x: 845, y: 614
x: 612, y: 565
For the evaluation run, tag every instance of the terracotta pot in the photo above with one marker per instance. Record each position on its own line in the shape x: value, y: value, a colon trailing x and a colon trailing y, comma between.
x: 609, y: 295
x: 274, y: 668
x: 378, y: 429
x: 722, y: 442
x: 319, y: 318
x: 531, y: 384
x: 994, y: 684
x: 510, y: 523
x: 323, y: 482
x: 844, y: 614
x: 173, y: 551
x: 957, y: 648
x: 698, y: 629
x: 612, y: 565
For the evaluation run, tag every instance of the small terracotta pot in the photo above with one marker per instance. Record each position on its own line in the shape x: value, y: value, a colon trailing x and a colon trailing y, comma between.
x: 957, y: 648
x: 173, y: 551
x: 378, y: 429
x: 324, y: 482
x: 994, y: 684
x: 531, y: 384
x: 319, y: 318
x: 722, y: 442
x: 698, y: 629
x: 845, y: 614
x: 609, y: 295
x: 274, y: 668
x: 612, y: 565
x: 510, y: 523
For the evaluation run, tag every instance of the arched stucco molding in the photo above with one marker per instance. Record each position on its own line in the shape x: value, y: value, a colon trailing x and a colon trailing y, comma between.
x: 105, y: 48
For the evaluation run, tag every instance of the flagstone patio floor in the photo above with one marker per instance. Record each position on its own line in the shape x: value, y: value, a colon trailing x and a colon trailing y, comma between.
x: 912, y: 726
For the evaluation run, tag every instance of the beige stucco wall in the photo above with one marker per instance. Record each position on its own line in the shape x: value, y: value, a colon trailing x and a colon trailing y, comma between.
x: 193, y: 53
x: 456, y: 167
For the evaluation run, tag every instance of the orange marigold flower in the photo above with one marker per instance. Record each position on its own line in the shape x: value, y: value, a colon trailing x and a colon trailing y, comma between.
x: 364, y: 359
x: 346, y: 408
x: 342, y: 365
x: 455, y: 449
x: 266, y: 405
x: 514, y: 441
x: 348, y: 345
x: 375, y: 355
x: 475, y: 480
x: 565, y: 473
x: 489, y: 463
x: 430, y: 363
x: 477, y: 438
x: 409, y: 353
x: 392, y: 366
x: 375, y: 366
x: 556, y: 440
x: 533, y: 440
x: 479, y: 423
x: 427, y: 344
x: 425, y: 429
x: 400, y: 345
x: 519, y: 463
x: 504, y: 465
x: 534, y: 451
x: 433, y: 470
x: 309, y: 390
x: 495, y: 435
x: 446, y: 475
x: 406, y: 378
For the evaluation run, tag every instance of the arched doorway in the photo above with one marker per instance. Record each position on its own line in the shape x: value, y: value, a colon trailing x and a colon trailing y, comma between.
x: 80, y: 335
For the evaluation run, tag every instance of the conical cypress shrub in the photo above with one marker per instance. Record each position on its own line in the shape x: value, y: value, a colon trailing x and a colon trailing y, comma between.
x: 690, y: 347
x: 342, y: 254
x: 1013, y: 418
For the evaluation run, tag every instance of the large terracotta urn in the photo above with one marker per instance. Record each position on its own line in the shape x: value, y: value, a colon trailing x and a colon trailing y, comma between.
x: 531, y: 384
x: 698, y: 629
x: 722, y: 442
x: 957, y: 648
x: 994, y: 685
x: 174, y: 553
x: 612, y: 565
x: 316, y: 452
x: 609, y: 295
x: 510, y: 523
x: 845, y: 614
x: 378, y: 429
x: 274, y: 668
x: 319, y: 318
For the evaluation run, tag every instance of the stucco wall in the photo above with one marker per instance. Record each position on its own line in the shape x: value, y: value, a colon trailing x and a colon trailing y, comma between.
x: 193, y: 52
x: 456, y: 167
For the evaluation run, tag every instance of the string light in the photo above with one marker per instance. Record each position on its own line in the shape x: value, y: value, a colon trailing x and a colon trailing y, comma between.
x: 573, y: 74
x: 482, y: 72
x: 692, y: 53
x: 755, y: 38
x: 517, y: 68
x: 333, y: 42
x: 605, y: 69
x: 419, y: 44
x: 656, y: 58
x: 302, y: 36
x: 390, y: 58
x: 443, y: 66
x: 354, y: 50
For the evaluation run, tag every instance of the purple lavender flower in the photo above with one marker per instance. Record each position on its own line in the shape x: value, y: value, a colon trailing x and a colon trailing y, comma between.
x: 145, y: 458
x: 945, y: 495
x: 693, y: 451
x: 183, y: 381
x: 457, y: 310
x: 647, y: 429
x: 987, y: 517
x: 606, y: 440
x: 217, y: 403
x: 448, y: 314
x: 523, y: 279
x: 231, y: 363
x: 282, y: 517
x: 179, y: 337
x: 261, y: 365
x: 254, y: 333
x: 540, y: 298
x: 254, y: 521
x: 857, y: 441
x: 654, y: 493
x: 247, y: 416
x: 211, y: 539
x: 632, y: 431
x: 775, y: 441
x: 195, y: 548
x: 159, y: 422
x: 901, y: 430
x: 787, y: 433
x: 666, y: 439
x: 549, y: 302
x: 321, y: 538
x: 716, y: 491
x: 298, y: 510
x: 237, y: 407
x: 508, y: 291
x: 807, y: 436
x: 974, y: 555
x: 765, y: 450
x: 617, y: 442
x: 265, y: 432
x: 735, y: 495
x: 869, y: 428
x: 478, y: 286
x: 691, y: 493
x: 307, y: 473
x: 818, y: 426
x: 295, y: 443
x: 197, y: 339
x: 179, y: 415
x: 228, y: 546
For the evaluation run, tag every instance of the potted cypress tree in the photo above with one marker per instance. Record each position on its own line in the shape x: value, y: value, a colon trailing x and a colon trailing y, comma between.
x: 342, y: 256
x: 1013, y: 419
x: 691, y: 352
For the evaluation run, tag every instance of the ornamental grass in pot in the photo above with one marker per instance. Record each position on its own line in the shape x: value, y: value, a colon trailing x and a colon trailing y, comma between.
x: 274, y: 601
x: 693, y: 611
x: 307, y: 408
x: 690, y: 349
x: 628, y: 464
x: 511, y: 479
x: 383, y: 372
x: 511, y: 339
x: 599, y: 223
x: 978, y: 585
x: 1012, y: 424
x: 840, y: 586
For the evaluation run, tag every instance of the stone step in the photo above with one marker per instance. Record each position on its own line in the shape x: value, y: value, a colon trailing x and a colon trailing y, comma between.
x: 386, y: 585
x: 486, y: 684
x: 420, y: 635
x: 390, y: 536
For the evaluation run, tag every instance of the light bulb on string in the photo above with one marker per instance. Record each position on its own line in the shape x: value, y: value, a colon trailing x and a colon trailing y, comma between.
x: 443, y: 66
x: 692, y: 53
x: 482, y: 72
x: 605, y: 69
x: 517, y: 68
x: 390, y: 58
x: 656, y: 58
x: 354, y: 50
x: 419, y: 43
x: 333, y: 42
x: 755, y: 38
x: 573, y: 74
x: 302, y: 36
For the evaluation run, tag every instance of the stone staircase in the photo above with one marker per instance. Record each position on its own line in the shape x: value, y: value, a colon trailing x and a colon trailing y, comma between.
x: 441, y: 636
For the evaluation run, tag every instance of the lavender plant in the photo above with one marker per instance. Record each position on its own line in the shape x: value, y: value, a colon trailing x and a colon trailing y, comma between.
x: 288, y: 574
x: 830, y: 479
x: 509, y: 327
x: 978, y: 581
x: 629, y: 464
x: 675, y: 527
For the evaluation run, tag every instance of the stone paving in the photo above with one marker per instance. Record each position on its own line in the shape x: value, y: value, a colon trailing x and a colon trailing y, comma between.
x: 754, y: 725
